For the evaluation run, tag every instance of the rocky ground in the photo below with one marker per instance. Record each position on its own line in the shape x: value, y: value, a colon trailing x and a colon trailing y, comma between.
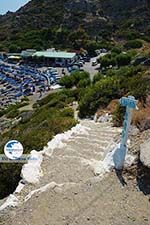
x: 71, y: 194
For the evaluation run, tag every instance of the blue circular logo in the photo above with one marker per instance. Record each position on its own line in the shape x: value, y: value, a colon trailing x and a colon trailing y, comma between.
x: 13, y: 149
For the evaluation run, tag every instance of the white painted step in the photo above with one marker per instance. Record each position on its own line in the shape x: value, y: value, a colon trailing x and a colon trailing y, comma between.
x: 66, y: 164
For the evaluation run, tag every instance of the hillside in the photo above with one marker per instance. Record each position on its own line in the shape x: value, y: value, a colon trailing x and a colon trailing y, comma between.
x: 54, y: 20
x: 119, y: 29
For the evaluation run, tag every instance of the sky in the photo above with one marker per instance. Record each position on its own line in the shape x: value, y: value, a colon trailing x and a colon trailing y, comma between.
x: 11, y: 5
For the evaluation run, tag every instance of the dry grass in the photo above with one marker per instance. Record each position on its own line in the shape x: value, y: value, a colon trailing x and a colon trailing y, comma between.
x: 112, y: 105
x: 110, y: 108
x: 145, y: 50
x: 141, y: 115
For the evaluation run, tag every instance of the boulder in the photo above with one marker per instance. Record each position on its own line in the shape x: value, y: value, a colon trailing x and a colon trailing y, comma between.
x: 145, y: 153
x: 26, y: 115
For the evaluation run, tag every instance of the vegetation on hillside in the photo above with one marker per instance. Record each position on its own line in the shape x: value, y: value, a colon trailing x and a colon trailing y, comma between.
x: 113, y: 85
x: 74, y: 24
x: 51, y: 116
x: 78, y: 79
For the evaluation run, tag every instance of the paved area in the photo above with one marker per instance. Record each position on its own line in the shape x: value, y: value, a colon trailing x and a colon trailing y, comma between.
x: 93, y: 69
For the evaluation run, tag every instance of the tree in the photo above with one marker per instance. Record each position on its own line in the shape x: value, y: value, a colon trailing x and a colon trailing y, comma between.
x: 98, y: 77
x: 77, y: 76
x: 66, y: 81
x: 78, y: 79
x: 117, y: 50
x: 14, y: 48
x: 91, y: 47
x: 123, y: 59
x: 78, y: 38
x: 105, y: 62
x: 84, y: 83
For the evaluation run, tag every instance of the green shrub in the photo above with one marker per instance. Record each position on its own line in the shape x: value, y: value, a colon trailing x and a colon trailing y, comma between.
x: 115, y: 84
x: 74, y: 79
x: 91, y: 46
x: 14, y: 48
x: 105, y: 62
x: 13, y: 113
x: 98, y: 77
x: 118, y: 116
x: 54, y: 103
x: 68, y: 112
x: 134, y: 44
x: 116, y: 50
x: 9, y: 178
x: 62, y: 95
x: 66, y: 81
x: 84, y: 83
x: 98, y: 95
x: 123, y: 59
x: 2, y: 112
x: 129, y: 34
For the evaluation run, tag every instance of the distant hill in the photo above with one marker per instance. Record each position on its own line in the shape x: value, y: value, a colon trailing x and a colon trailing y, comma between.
x: 96, y: 17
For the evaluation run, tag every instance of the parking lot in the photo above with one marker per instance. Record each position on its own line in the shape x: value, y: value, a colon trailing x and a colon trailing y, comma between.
x: 19, y: 81
x: 93, y: 69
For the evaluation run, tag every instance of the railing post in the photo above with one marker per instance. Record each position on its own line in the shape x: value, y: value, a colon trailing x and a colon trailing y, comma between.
x: 130, y: 104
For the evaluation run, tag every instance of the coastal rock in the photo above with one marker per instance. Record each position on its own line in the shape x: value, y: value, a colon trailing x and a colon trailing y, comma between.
x: 145, y: 153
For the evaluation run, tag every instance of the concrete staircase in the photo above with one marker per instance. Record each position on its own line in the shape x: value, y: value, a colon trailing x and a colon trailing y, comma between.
x: 65, y: 170
x: 68, y: 163
x: 73, y: 163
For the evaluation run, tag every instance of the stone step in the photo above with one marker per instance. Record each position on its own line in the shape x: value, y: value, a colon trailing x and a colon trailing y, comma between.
x: 64, y: 169
x: 66, y: 164
x: 80, y: 153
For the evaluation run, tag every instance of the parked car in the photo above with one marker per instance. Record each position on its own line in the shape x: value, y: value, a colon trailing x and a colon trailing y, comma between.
x: 80, y: 63
x: 87, y: 59
x: 94, y: 63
